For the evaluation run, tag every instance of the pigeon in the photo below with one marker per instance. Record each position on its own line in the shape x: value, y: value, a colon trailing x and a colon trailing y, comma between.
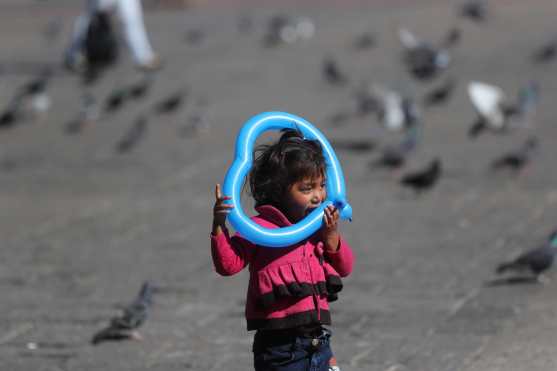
x: 332, y: 72
x: 368, y: 99
x: 197, y: 123
x: 423, y: 60
x: 546, y: 53
x: 535, y: 261
x: 394, y: 157
x: 475, y: 10
x: 116, y: 100
x: 9, y: 117
x: 395, y: 111
x: 424, y: 179
x: 132, y: 136
x: 282, y: 29
x: 305, y: 28
x: 170, y: 103
x: 364, y: 41
x: 133, y: 316
x: 452, y: 38
x: 140, y: 88
x: 496, y: 112
x: 195, y: 36
x: 340, y: 117
x: 356, y: 145
x: 518, y: 159
x: 88, y: 113
x: 245, y: 24
x: 279, y: 31
x: 440, y: 94
x: 36, y: 86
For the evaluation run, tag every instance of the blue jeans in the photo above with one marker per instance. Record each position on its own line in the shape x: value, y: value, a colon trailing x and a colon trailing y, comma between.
x: 299, y: 353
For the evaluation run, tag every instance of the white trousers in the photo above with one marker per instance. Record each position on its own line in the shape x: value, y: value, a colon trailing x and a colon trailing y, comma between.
x: 131, y: 17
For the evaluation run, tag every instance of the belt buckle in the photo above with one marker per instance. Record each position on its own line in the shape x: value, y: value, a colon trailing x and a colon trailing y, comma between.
x: 315, y: 342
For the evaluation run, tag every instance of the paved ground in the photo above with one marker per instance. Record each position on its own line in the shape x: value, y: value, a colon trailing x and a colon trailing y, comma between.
x: 83, y: 226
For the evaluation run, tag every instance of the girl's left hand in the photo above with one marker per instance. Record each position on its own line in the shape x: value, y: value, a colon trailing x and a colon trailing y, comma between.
x: 330, y: 235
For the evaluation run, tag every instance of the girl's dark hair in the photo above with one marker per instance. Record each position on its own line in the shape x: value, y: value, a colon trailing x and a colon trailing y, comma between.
x: 277, y: 166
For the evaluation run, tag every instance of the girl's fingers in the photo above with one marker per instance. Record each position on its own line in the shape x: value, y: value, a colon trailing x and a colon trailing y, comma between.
x: 224, y: 207
x: 218, y: 194
x: 327, y: 218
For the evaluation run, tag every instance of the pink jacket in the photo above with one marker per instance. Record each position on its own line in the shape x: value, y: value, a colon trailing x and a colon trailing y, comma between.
x: 289, y: 286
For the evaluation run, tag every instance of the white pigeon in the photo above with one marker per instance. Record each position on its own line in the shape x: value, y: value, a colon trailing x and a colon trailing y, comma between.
x: 487, y: 100
x: 391, y: 112
x: 408, y: 39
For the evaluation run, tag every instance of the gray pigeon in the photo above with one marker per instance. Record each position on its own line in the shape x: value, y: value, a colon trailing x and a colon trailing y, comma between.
x: 132, y: 136
x: 133, y: 316
x: 394, y: 157
x: 535, y: 261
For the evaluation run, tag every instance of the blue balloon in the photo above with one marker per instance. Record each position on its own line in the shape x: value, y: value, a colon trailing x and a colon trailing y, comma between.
x: 286, y: 236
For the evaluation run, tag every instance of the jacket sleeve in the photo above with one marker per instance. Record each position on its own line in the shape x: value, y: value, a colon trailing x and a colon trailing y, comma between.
x: 343, y: 259
x: 230, y: 254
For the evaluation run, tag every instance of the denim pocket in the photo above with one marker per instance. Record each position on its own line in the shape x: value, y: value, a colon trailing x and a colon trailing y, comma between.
x: 279, y: 355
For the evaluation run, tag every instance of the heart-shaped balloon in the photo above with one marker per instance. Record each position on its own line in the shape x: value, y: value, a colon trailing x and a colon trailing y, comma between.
x: 286, y: 236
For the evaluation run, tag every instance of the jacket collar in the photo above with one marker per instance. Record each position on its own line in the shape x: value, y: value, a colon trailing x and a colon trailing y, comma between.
x: 273, y: 215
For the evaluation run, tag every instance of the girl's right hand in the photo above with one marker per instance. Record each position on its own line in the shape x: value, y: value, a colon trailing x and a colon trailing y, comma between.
x: 220, y: 210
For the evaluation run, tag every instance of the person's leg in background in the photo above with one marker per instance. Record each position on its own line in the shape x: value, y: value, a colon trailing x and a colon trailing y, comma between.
x: 131, y: 15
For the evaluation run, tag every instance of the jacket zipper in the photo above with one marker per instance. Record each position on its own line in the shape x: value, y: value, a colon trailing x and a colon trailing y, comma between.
x: 315, y: 297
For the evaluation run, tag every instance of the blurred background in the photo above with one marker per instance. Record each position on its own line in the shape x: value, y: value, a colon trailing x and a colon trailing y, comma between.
x: 441, y: 114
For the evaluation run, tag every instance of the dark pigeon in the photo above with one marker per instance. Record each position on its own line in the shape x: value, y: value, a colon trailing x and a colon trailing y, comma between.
x: 425, y: 179
x: 9, y: 117
x: 364, y: 41
x: 475, y: 10
x: 35, y: 86
x: 332, y: 72
x: 133, y: 316
x: 546, y: 53
x: 423, y: 60
x: 518, y: 159
x: 441, y: 93
x: 170, y: 103
x: 140, y: 88
x: 116, y: 100
x: 535, y: 261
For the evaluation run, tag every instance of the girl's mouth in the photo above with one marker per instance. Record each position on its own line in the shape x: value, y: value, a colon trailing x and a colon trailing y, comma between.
x: 309, y: 210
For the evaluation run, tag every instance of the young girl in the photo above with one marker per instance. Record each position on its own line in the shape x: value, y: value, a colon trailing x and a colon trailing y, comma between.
x: 289, y: 288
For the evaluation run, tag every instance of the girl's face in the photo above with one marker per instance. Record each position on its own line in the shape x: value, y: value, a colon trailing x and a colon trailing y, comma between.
x: 303, y: 196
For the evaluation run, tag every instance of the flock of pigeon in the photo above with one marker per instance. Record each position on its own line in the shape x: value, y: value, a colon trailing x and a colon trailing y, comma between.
x: 497, y: 112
